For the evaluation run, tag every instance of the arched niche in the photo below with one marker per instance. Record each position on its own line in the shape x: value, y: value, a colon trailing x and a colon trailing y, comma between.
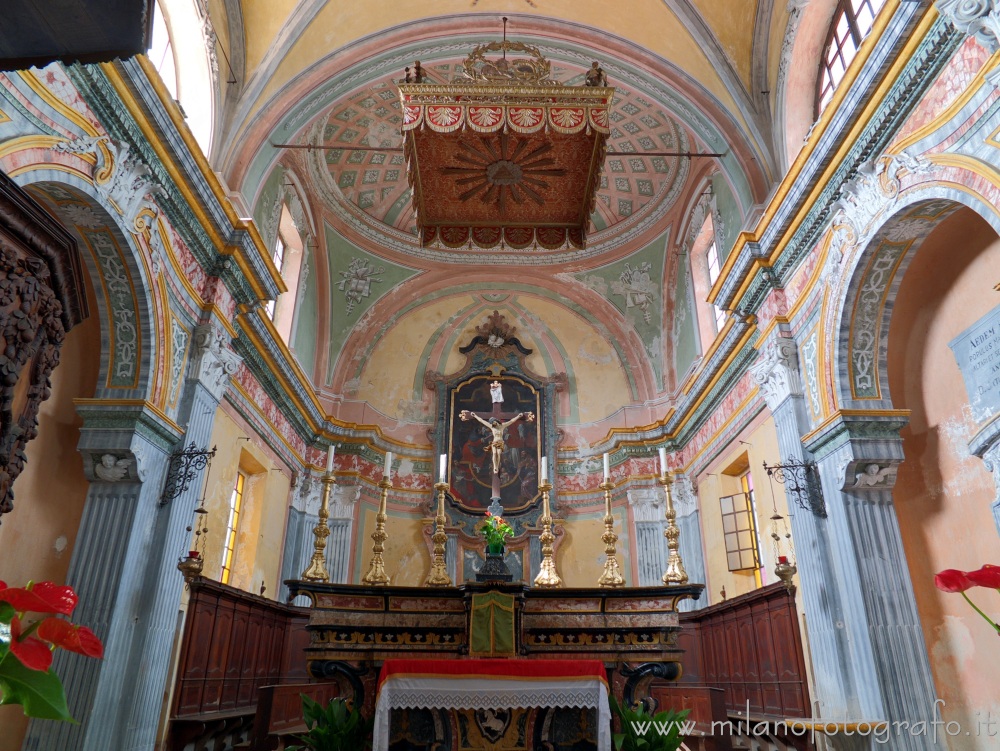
x: 944, y: 492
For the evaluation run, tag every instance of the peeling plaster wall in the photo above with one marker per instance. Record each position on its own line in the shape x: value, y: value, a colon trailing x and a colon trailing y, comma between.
x: 943, y: 494
x: 427, y: 338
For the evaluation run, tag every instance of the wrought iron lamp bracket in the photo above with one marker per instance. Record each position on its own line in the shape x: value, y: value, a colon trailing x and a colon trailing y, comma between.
x: 184, y: 465
x: 801, y: 480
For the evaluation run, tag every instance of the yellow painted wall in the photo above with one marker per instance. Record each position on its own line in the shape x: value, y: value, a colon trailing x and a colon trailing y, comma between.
x: 648, y: 23
x: 713, y: 484
x: 389, y: 373
x: 599, y: 378
x: 262, y: 21
x: 37, y: 537
x: 580, y: 554
x: 261, y: 529
x: 733, y: 24
x: 406, y: 558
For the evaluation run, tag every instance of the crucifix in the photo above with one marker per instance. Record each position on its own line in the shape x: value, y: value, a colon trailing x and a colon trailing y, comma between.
x: 494, y: 420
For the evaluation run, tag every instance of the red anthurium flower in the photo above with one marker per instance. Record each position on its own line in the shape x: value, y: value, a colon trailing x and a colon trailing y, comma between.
x: 488, y: 514
x: 33, y: 653
x: 987, y: 576
x: 43, y: 597
x: 952, y: 580
x: 77, y: 639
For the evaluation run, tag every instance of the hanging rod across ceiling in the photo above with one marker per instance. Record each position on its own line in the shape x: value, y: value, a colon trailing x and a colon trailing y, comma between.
x: 683, y: 154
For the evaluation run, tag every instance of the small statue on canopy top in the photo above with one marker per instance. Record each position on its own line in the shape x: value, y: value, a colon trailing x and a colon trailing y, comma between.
x: 596, y: 76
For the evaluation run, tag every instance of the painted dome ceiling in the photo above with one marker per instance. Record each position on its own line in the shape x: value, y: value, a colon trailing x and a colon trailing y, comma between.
x: 353, y: 132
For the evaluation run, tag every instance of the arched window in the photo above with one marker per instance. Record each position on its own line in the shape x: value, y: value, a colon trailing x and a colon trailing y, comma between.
x: 706, y: 265
x: 288, y: 258
x: 161, y: 53
x: 181, y: 49
x: 852, y: 21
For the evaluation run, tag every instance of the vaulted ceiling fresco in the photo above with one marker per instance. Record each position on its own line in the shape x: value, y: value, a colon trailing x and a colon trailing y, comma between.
x: 314, y: 122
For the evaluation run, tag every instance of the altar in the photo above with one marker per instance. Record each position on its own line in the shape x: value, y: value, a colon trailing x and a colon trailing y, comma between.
x: 600, y: 640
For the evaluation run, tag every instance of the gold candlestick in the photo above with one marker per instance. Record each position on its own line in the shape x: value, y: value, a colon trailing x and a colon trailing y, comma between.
x: 675, y: 573
x: 612, y: 576
x: 376, y: 573
x: 316, y: 571
x: 547, y: 576
x: 439, y: 572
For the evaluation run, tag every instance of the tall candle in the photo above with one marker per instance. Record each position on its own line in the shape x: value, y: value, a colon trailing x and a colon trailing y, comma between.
x: 330, y: 451
x: 543, y: 474
x: 444, y: 465
x: 607, y: 468
x: 663, y: 460
x: 388, y: 464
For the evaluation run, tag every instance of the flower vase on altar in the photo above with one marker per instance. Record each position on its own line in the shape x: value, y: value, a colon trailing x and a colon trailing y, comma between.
x: 494, y: 531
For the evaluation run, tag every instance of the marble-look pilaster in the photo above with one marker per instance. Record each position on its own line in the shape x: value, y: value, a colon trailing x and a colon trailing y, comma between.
x: 124, y: 561
x: 691, y: 549
x: 302, y: 519
x: 650, y: 548
x: 777, y: 375
x: 978, y: 18
x: 212, y: 365
x: 857, y: 457
x: 125, y: 457
x: 649, y: 517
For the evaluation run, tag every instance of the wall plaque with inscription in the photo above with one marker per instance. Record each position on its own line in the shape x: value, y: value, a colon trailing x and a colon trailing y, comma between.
x: 977, y: 350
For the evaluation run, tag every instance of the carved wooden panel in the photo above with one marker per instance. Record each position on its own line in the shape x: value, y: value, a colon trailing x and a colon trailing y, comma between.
x: 41, y: 298
x: 234, y: 643
x: 750, y: 647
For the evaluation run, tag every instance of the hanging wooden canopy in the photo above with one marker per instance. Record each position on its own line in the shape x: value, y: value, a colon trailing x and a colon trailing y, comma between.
x: 504, y: 155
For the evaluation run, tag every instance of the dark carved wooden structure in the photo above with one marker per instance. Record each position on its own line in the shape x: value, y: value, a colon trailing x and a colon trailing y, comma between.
x: 494, y: 354
x: 743, y: 662
x: 245, y: 660
x: 41, y: 298
x: 236, y: 649
x: 353, y: 629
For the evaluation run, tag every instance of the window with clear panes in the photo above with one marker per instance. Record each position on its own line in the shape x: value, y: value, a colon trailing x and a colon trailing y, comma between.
x: 235, y: 506
x: 739, y: 527
x: 852, y: 22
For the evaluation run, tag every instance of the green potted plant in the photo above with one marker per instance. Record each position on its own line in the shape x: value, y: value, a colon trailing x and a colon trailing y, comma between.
x: 338, y: 726
x: 641, y: 731
x: 495, y: 532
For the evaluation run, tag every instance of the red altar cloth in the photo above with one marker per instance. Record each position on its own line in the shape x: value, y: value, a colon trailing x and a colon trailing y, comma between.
x: 495, y: 668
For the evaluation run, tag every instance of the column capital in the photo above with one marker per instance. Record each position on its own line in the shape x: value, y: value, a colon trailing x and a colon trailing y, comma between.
x: 979, y: 18
x: 776, y: 371
x: 684, y: 496
x: 213, y: 362
x: 647, y: 504
x: 867, y: 446
x: 120, y: 438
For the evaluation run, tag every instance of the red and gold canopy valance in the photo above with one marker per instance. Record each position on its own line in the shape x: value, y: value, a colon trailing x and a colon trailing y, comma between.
x: 513, y: 164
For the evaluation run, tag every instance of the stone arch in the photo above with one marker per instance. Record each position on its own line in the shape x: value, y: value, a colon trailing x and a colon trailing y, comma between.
x: 122, y: 286
x: 869, y: 275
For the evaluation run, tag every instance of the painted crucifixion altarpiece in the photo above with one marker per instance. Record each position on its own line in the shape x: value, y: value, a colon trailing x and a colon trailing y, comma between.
x: 495, y: 421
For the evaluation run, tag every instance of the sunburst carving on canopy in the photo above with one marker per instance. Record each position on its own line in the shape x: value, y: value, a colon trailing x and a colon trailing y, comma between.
x: 503, y: 155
